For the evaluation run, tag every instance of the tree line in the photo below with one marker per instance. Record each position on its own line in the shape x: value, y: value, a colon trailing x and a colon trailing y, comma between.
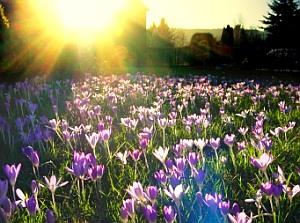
x: 276, y: 42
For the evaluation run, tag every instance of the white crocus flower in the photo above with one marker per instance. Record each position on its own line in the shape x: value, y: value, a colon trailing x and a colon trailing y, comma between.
x: 161, y: 154
x: 176, y: 193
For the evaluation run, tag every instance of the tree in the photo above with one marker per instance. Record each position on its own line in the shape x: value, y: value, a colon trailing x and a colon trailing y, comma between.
x: 179, y: 38
x: 282, y: 24
x: 227, y: 36
x: 4, y: 24
x: 161, y: 36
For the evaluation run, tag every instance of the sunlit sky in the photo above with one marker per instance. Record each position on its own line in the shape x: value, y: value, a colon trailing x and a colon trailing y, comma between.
x: 207, y: 13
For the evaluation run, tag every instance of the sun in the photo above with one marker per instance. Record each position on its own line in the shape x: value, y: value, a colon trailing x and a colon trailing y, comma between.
x: 60, y: 30
x: 88, y: 15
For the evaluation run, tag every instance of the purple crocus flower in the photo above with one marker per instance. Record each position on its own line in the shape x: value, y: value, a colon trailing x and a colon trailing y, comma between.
x: 277, y: 190
x: 101, y: 126
x: 175, y: 178
x: 169, y: 214
x: 151, y: 213
x: 96, y: 172
x: 229, y: 139
x: 108, y: 120
x: 169, y: 164
x: 291, y: 192
x: 198, y: 175
x: 151, y: 194
x: 173, y: 115
x: 262, y: 162
x: 49, y: 216
x: 144, y: 143
x: 267, y: 188
x: 267, y: 143
x: 192, y: 159
x: 54, y: 124
x: 124, y: 214
x: 3, y: 188
x: 215, y: 143
x: 128, y: 205
x: 80, y: 165
x: 161, y: 177
x: 258, y: 145
x: 7, y: 208
x: 212, y: 200
x: 31, y: 205
x: 162, y: 122
x: 241, y: 145
x: 180, y: 164
x: 22, y: 202
x: 177, y: 149
x: 136, y: 191
x: 136, y: 154
x: 12, y: 173
x: 104, y: 134
x: 32, y: 107
x: 224, y: 207
x: 66, y: 135
x: 31, y: 155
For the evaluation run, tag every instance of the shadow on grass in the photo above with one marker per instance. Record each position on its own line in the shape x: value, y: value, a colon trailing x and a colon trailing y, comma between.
x: 228, y: 72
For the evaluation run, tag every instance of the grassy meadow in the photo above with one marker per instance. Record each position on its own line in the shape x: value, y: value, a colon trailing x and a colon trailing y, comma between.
x: 162, y: 146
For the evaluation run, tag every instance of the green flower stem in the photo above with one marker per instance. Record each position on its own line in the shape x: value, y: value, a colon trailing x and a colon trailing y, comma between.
x: 266, y: 175
x: 144, y: 152
x: 273, y: 211
x: 82, y: 189
x: 108, y: 150
x: 135, y: 170
x: 164, y: 138
x: 178, y: 213
x: 78, y: 189
x: 217, y: 158
x: 232, y: 158
x: 54, y: 204
x: 13, y: 192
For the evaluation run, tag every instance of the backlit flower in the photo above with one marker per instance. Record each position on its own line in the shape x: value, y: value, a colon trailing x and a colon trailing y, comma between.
x: 12, y: 173
x: 212, y: 200
x: 240, y: 217
x: 161, y: 154
x: 32, y: 155
x: 123, y: 157
x: 262, y: 162
x: 215, y: 143
x: 53, y: 183
x: 176, y: 193
x: 136, y: 191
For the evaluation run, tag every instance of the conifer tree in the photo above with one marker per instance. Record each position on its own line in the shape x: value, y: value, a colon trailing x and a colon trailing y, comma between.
x: 282, y: 24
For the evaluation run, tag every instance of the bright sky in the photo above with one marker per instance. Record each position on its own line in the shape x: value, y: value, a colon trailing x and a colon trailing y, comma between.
x: 207, y: 13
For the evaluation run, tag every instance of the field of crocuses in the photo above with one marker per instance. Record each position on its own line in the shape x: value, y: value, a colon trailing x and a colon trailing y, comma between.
x: 144, y: 148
